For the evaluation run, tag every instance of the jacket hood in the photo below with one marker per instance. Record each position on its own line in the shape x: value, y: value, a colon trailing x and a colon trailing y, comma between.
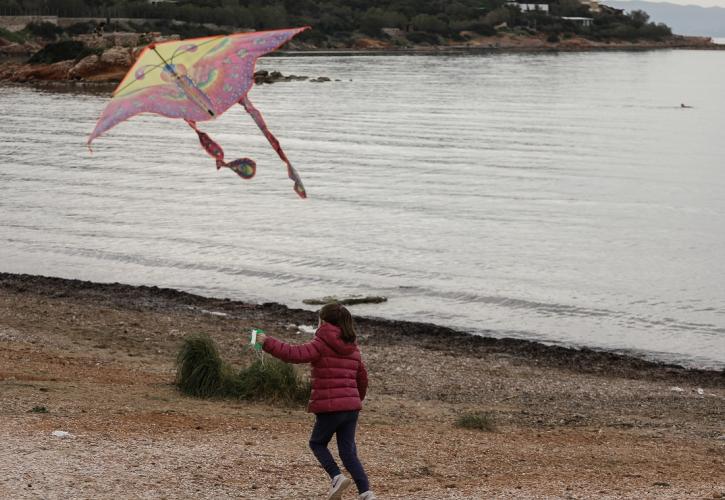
x: 330, y: 335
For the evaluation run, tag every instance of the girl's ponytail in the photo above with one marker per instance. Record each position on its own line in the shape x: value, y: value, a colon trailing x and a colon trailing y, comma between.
x: 339, y: 316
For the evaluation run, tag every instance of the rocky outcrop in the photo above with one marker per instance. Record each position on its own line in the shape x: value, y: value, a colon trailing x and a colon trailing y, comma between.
x: 10, y: 49
x: 263, y: 76
x: 110, y: 66
x: 29, y: 72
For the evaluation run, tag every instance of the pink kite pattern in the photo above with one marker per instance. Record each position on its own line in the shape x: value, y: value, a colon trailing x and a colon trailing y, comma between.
x: 198, y: 80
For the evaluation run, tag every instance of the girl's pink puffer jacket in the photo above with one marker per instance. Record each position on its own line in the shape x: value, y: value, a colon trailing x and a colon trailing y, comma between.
x: 339, y: 377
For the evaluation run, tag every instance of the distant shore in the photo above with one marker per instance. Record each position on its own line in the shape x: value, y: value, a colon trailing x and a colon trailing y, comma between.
x: 111, y: 66
x: 97, y: 361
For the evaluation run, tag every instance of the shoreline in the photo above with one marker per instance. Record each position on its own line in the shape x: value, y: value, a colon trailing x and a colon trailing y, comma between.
x: 97, y: 361
x: 421, y: 334
x: 111, y: 66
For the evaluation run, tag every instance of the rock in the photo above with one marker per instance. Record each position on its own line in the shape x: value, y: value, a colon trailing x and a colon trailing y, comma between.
x: 62, y: 434
x: 263, y: 76
x: 85, y: 67
x: 56, y: 71
x: 18, y: 49
x: 351, y: 300
x: 117, y: 56
x: 112, y: 65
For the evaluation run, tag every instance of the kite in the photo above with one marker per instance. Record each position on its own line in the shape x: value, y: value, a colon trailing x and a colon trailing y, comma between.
x: 197, y: 80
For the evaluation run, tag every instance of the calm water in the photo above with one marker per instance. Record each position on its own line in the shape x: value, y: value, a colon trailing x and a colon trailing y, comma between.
x: 564, y: 198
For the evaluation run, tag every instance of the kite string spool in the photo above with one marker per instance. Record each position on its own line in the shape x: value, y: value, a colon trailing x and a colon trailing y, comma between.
x: 256, y: 347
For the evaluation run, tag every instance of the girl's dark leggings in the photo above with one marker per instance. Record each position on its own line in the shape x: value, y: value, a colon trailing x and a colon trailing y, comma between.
x: 343, y: 425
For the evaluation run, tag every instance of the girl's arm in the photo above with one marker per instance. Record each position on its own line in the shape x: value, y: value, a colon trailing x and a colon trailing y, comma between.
x: 303, y: 353
x: 362, y: 380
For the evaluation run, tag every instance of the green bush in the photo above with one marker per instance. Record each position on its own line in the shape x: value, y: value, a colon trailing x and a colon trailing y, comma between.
x: 420, y: 37
x: 273, y: 380
x: 430, y: 24
x: 483, y: 29
x: 11, y: 36
x: 552, y: 38
x: 44, y: 30
x: 66, y: 50
x: 202, y: 373
x: 478, y: 421
x: 81, y: 28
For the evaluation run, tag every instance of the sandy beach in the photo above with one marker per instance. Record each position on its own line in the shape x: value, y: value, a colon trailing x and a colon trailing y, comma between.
x: 97, y: 361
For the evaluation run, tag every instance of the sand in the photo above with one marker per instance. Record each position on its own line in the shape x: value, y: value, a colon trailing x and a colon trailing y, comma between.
x: 568, y: 423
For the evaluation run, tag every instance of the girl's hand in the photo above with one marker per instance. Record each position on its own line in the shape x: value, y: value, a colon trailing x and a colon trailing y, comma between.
x: 261, y: 338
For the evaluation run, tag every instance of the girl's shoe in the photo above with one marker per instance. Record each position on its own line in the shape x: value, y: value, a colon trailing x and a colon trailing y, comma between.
x: 339, y: 484
x: 368, y: 495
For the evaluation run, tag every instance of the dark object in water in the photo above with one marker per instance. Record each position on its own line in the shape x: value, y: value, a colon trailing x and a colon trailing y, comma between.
x: 347, y: 301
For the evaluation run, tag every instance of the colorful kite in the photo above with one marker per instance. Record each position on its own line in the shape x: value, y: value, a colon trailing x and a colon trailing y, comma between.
x: 198, y: 80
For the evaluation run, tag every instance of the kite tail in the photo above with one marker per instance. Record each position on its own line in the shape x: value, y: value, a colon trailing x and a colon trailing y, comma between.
x: 243, y: 167
x: 291, y: 172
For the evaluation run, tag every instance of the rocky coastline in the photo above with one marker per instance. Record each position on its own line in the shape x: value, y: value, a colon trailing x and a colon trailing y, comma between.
x: 110, y: 64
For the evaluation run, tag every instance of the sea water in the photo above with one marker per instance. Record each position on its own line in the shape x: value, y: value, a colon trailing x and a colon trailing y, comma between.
x: 566, y: 198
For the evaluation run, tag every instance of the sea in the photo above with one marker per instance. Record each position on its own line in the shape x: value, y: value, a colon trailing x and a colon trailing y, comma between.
x: 565, y: 198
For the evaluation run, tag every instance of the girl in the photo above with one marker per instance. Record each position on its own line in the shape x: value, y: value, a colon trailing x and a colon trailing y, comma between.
x: 339, y: 384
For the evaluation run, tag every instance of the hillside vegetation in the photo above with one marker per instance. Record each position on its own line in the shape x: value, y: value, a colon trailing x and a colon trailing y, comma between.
x: 341, y: 22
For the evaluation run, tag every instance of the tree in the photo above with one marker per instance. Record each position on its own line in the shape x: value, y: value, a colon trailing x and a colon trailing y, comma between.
x: 639, y: 18
x: 270, y: 17
x: 372, y: 22
x: 431, y: 24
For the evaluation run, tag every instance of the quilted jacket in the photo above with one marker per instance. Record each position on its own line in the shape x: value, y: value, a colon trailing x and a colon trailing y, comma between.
x: 339, y: 377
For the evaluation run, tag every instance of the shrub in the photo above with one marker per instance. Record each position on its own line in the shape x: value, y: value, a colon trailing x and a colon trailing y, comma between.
x: 313, y: 36
x: 478, y: 421
x: 428, y: 23
x: 39, y: 409
x: 67, y: 50
x: 81, y: 28
x: 483, y: 29
x: 11, y: 36
x: 273, y: 380
x: 552, y: 38
x: 202, y: 373
x: 419, y: 37
x: 44, y: 30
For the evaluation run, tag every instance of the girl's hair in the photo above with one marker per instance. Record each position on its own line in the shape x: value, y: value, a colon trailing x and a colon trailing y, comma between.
x: 339, y: 316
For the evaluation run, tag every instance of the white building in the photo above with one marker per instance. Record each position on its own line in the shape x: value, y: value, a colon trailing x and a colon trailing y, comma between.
x: 529, y: 7
x: 581, y: 21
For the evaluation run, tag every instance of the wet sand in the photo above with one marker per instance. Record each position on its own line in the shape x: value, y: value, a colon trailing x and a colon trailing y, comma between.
x: 569, y: 423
